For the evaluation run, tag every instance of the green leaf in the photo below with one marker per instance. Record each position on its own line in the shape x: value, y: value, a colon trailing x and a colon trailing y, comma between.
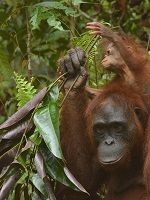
x: 47, y: 122
x: 39, y: 14
x: 58, y: 6
x: 35, y: 19
x: 52, y: 21
x: 71, y: 12
x: 39, y: 184
x: 36, y: 138
x: 55, y: 5
x: 24, y: 157
x: 54, y: 110
x: 35, y: 196
x: 50, y: 11
x: 54, y: 92
x: 43, y: 122
x: 147, y: 30
x: 55, y: 168
x: 23, y: 178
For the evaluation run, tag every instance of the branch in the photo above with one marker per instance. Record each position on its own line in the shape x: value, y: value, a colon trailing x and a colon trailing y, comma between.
x: 83, y: 13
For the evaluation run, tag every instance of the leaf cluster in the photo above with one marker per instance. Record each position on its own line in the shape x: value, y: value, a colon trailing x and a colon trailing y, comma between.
x: 31, y: 145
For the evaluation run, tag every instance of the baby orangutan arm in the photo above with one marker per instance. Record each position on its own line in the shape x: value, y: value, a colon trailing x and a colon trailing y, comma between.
x: 133, y: 54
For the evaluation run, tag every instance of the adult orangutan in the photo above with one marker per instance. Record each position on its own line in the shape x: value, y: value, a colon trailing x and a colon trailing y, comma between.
x: 132, y: 65
x: 103, y: 138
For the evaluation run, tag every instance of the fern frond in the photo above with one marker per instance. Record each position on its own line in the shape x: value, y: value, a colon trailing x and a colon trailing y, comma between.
x: 97, y: 76
x: 25, y: 90
x: 84, y: 41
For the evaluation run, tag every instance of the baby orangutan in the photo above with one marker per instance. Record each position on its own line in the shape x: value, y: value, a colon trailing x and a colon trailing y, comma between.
x: 126, y: 57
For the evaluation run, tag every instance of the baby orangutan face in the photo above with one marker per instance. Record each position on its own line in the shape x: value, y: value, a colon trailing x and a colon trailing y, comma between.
x: 112, y: 60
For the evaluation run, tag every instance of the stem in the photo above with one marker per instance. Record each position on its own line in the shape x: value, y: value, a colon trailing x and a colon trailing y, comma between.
x: 69, y: 90
x: 57, y: 80
x: 63, y: 83
x: 92, y: 43
x: 96, y: 73
x: 82, y: 13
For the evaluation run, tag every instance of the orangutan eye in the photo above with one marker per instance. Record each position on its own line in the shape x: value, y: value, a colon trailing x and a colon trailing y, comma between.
x: 119, y: 127
x: 99, y: 129
x: 108, y: 52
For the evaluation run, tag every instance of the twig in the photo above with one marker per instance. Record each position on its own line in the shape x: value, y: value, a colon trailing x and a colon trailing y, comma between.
x: 96, y: 73
x: 62, y: 84
x: 57, y: 80
x: 95, y: 39
x: 69, y: 90
x: 82, y: 13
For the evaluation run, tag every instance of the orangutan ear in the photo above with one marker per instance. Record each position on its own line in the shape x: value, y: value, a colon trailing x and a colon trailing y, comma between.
x: 142, y: 115
x: 92, y: 92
